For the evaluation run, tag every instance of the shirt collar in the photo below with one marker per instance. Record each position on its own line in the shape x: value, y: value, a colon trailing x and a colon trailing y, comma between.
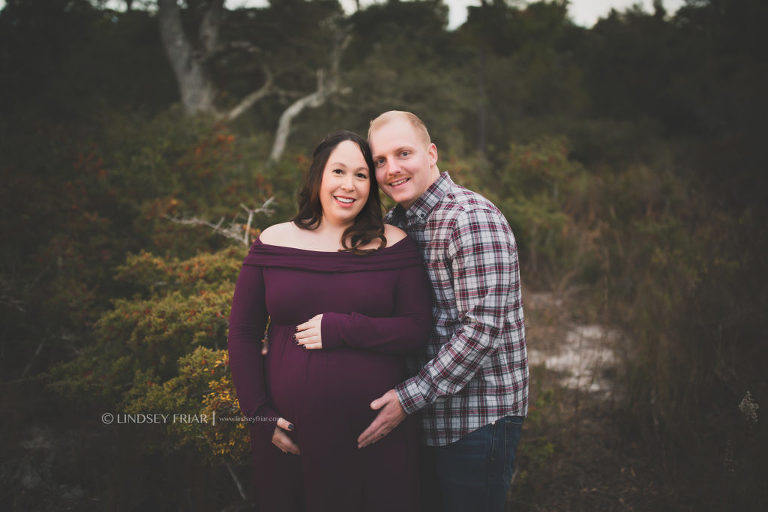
x: 421, y: 209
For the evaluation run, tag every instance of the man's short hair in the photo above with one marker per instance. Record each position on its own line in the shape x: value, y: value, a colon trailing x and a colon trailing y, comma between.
x: 390, y: 115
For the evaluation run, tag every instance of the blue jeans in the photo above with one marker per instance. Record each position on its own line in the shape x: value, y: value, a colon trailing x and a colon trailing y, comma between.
x: 473, y: 473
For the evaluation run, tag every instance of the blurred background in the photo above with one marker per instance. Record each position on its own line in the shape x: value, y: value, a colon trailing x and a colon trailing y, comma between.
x: 143, y: 145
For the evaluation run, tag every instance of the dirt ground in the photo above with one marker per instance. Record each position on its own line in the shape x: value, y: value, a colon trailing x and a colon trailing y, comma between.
x: 577, y: 451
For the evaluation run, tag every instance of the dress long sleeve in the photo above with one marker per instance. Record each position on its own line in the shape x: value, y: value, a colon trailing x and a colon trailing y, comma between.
x: 247, y: 322
x: 407, y: 330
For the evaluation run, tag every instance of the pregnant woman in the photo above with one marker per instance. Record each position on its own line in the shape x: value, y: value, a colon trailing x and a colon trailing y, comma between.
x: 346, y: 297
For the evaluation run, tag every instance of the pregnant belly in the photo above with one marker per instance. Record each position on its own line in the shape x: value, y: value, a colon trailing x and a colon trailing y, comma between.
x: 327, y: 386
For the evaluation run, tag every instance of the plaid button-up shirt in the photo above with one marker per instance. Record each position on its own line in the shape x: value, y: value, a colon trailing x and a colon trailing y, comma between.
x: 475, y: 369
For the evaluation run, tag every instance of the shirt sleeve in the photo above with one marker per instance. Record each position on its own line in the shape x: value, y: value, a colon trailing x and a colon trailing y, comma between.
x: 407, y: 330
x: 247, y: 322
x: 481, y: 256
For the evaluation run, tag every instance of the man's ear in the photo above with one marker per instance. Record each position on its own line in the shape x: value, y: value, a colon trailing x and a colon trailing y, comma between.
x: 432, y: 152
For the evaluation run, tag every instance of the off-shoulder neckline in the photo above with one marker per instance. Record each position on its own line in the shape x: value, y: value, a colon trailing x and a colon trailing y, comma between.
x: 401, y: 254
x: 313, y: 251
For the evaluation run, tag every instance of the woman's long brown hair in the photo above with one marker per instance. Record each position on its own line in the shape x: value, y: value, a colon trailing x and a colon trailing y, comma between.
x: 369, y: 223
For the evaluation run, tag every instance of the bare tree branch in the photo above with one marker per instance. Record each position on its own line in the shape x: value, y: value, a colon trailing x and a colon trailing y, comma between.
x: 236, y: 479
x: 198, y: 92
x: 314, y: 99
x: 233, y: 46
x: 285, y: 94
x: 235, y: 230
x: 252, y: 98
x: 327, y: 84
x: 6, y: 299
x: 32, y: 359
x: 265, y: 208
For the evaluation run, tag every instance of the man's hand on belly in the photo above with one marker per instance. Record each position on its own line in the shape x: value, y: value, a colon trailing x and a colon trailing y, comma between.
x: 391, y: 414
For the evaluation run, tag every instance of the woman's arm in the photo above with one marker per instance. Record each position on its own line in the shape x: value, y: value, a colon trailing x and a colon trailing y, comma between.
x: 407, y: 330
x: 247, y: 321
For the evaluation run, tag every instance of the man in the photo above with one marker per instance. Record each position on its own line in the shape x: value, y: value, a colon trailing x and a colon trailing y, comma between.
x: 473, y: 388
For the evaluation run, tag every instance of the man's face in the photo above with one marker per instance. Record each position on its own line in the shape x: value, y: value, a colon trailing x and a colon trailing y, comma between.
x: 405, y: 164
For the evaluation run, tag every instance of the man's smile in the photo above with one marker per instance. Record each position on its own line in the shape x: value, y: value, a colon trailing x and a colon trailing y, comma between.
x: 398, y: 182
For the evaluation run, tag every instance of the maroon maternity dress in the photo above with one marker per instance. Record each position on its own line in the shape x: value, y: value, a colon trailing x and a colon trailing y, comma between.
x: 376, y: 308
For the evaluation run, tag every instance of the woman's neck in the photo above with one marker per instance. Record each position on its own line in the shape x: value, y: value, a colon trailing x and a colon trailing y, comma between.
x: 331, y: 230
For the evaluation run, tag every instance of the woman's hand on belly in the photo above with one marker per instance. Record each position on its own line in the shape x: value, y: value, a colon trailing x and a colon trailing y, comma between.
x: 281, y: 439
x: 308, y: 334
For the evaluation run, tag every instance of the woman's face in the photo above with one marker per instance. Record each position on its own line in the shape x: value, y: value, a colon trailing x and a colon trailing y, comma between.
x: 345, y: 185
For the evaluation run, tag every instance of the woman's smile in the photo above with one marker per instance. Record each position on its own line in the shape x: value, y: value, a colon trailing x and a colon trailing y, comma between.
x: 344, y: 202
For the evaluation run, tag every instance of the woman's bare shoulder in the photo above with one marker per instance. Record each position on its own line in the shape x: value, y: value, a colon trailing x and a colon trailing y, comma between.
x: 278, y: 234
x: 393, y: 234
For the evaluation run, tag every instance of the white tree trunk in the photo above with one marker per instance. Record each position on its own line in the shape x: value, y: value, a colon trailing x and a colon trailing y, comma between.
x: 197, y: 91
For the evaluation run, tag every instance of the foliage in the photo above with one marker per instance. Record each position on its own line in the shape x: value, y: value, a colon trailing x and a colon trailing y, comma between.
x: 536, y: 450
x: 552, y: 203
x: 200, y: 401
x: 626, y: 158
x: 163, y: 350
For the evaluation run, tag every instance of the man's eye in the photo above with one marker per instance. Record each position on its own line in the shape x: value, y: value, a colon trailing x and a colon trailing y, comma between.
x: 405, y: 153
x: 379, y: 162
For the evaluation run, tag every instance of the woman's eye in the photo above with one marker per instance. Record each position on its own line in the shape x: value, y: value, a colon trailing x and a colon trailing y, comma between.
x: 362, y: 175
x: 337, y: 171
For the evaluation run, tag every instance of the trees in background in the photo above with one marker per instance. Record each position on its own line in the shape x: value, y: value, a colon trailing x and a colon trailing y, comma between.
x: 195, y: 60
x: 625, y: 156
